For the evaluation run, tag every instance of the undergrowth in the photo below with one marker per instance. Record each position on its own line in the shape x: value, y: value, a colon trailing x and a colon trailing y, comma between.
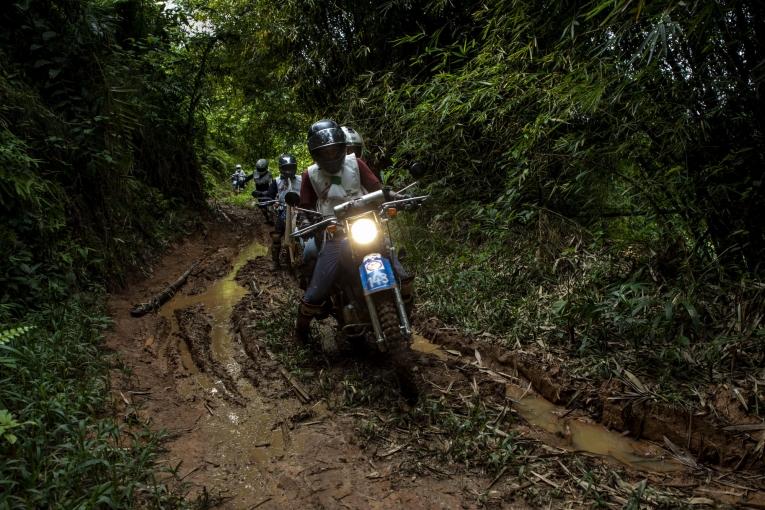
x: 603, y: 305
x: 60, y: 446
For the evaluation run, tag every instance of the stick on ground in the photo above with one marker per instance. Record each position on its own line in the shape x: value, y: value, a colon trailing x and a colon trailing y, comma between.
x: 159, y: 299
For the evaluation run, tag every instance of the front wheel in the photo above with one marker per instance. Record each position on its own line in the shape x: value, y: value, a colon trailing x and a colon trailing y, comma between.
x: 398, y: 348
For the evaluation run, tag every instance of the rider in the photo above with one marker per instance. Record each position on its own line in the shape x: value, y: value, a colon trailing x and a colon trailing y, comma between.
x: 262, y: 178
x: 238, y: 178
x: 354, y: 144
x: 286, y: 182
x: 334, y: 178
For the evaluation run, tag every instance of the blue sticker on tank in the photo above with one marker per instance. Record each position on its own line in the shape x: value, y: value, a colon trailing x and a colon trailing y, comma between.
x: 376, y: 274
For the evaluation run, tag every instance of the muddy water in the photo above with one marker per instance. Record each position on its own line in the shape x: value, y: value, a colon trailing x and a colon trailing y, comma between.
x: 234, y: 432
x: 574, y: 433
x: 219, y: 301
x: 423, y: 345
x: 589, y: 437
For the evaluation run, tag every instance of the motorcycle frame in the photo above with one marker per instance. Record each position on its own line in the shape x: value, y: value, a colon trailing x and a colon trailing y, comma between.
x: 386, y: 248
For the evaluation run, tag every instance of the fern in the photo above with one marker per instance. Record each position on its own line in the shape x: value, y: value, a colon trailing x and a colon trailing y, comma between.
x: 11, y: 334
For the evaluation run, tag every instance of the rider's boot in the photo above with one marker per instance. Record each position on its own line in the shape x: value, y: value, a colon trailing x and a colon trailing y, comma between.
x: 276, y: 250
x: 306, y: 313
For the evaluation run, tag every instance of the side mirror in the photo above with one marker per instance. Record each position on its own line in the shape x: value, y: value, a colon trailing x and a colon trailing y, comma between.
x: 292, y: 199
x: 417, y: 170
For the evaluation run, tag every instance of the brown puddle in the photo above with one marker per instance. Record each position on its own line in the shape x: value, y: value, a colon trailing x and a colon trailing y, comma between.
x: 582, y: 436
x: 574, y: 433
x: 423, y: 345
x: 219, y: 301
x: 233, y: 431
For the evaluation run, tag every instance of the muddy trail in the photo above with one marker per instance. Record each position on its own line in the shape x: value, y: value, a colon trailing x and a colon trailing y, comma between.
x: 255, y: 421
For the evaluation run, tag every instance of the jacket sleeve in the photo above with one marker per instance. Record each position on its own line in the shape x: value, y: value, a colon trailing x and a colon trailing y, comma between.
x: 308, y: 196
x: 368, y: 179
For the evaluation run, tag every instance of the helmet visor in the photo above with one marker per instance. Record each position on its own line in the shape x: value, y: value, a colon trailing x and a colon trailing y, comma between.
x: 288, y: 171
x: 328, y: 153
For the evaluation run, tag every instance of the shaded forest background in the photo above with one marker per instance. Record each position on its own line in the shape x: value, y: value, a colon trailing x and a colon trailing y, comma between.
x: 595, y: 168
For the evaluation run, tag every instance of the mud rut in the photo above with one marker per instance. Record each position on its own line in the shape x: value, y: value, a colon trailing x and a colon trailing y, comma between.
x: 254, y: 421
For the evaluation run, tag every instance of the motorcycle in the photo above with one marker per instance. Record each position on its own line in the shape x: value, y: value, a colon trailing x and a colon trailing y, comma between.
x: 291, y: 255
x: 366, y: 300
x: 264, y: 204
x: 237, y: 183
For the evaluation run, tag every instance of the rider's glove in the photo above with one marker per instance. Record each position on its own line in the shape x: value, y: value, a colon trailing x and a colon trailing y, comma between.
x: 302, y: 220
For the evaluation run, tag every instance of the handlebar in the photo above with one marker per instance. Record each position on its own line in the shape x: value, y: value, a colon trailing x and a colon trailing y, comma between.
x: 314, y: 227
x: 345, y: 207
x: 405, y: 201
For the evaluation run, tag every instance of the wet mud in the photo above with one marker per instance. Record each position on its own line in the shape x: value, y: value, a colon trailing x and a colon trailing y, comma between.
x: 255, y: 421
x: 702, y: 434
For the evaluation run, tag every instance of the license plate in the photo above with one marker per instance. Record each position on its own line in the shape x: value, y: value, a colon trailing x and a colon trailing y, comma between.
x: 376, y: 274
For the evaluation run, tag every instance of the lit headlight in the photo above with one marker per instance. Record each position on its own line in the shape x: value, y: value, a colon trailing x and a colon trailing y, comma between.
x: 364, y: 231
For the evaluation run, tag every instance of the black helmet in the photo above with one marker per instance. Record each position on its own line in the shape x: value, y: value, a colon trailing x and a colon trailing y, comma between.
x: 261, y: 165
x: 287, y: 166
x: 326, y: 143
x: 353, y: 141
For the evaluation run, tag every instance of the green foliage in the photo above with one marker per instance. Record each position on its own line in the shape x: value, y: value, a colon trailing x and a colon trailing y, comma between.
x: 60, y: 446
x: 7, y: 423
x: 13, y: 333
x: 93, y: 141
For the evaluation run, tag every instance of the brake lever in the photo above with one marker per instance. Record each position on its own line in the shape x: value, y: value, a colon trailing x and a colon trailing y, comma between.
x: 404, y: 201
x: 312, y: 228
x: 407, y: 187
x: 307, y: 211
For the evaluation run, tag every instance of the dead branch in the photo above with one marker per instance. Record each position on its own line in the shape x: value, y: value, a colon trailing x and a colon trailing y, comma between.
x: 159, y: 299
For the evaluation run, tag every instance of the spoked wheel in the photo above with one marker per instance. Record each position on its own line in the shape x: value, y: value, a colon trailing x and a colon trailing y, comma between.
x: 398, y: 349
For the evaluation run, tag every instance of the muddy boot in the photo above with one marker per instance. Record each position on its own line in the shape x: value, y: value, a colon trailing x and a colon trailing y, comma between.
x: 407, y: 294
x: 276, y: 250
x: 306, y: 313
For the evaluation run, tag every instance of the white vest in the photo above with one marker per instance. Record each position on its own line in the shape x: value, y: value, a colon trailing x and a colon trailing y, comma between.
x: 332, y: 190
x: 283, y: 186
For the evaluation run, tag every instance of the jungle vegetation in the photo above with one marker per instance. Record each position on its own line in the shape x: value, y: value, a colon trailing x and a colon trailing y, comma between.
x: 595, y: 167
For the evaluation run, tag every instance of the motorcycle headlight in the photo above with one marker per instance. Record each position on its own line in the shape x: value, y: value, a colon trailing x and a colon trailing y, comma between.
x: 363, y: 231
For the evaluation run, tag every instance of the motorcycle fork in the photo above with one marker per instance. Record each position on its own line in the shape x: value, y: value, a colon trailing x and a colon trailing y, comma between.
x: 406, y: 327
x: 375, y: 323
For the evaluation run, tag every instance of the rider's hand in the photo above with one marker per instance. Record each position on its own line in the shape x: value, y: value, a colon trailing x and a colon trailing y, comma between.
x: 391, y: 195
x: 302, y: 220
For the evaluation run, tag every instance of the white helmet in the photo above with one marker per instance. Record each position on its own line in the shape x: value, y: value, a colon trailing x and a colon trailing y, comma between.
x: 353, y: 141
x: 237, y: 167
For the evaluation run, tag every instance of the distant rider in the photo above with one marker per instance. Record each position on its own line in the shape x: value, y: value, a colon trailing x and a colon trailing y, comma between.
x: 238, y: 178
x: 336, y: 177
x: 354, y: 144
x: 287, y: 181
x: 262, y: 178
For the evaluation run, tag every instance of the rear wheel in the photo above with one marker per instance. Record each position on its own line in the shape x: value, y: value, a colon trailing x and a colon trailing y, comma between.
x: 398, y: 349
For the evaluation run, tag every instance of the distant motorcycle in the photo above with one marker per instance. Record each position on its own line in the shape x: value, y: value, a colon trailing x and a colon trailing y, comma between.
x: 237, y: 183
x: 265, y: 205
x: 366, y: 301
x: 291, y: 255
